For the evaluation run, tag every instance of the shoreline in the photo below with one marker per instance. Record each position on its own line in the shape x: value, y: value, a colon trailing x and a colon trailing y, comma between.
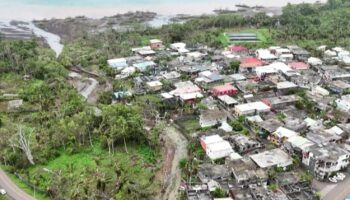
x: 41, y: 12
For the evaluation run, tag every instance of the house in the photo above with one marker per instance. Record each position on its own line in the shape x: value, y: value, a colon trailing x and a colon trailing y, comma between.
x: 272, y: 158
x: 246, y: 172
x: 269, y: 126
x: 281, y: 135
x: 209, y: 118
x: 343, y: 103
x: 244, y: 144
x: 118, y: 63
x: 208, y: 79
x: 251, y: 108
x: 226, y: 89
x: 137, y: 49
x: 299, y: 53
x: 265, y: 55
x: 238, y: 77
x: 320, y: 91
x: 143, y: 66
x: 216, y: 147
x: 299, y: 143
x: 284, y: 54
x: 14, y: 104
x: 339, y: 86
x: 146, y: 53
x: 171, y: 76
x: 298, y: 65
x: 155, y: 43
x: 280, y: 101
x: 314, y: 61
x: 286, y: 86
x: 196, y: 55
x: 227, y: 101
x: 324, y: 161
x: 250, y: 64
x: 154, y: 85
x: 187, y: 92
x: 209, y: 172
x: 321, y: 136
x: 237, y: 49
x: 333, y: 72
x: 179, y: 47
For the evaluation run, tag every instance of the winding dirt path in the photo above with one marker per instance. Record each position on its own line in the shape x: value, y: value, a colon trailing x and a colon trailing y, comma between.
x: 175, y: 145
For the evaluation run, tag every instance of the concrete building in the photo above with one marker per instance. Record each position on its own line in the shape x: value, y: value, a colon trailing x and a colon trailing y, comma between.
x: 272, y: 158
x: 323, y: 161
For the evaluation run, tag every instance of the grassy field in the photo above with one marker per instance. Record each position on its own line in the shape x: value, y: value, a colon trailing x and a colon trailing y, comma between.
x: 263, y: 34
x: 79, y: 165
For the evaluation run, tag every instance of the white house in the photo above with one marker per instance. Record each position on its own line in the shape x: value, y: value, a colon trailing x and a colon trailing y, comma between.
x: 216, y: 147
x: 343, y: 104
x: 118, y: 63
x: 265, y: 55
x: 272, y: 158
x: 314, y: 61
x: 323, y: 161
x: 251, y: 108
x: 154, y: 85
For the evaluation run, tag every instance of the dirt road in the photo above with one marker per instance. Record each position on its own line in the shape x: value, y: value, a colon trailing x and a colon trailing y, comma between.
x: 12, y: 190
x: 176, y: 149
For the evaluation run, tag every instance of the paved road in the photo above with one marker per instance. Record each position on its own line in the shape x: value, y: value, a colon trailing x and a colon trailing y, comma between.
x: 12, y: 190
x: 339, y: 191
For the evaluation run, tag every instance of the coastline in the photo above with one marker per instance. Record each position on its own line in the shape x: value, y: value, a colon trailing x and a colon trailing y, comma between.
x: 39, y: 12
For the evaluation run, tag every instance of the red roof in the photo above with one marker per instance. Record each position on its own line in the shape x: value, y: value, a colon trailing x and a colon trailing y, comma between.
x: 235, y: 48
x: 251, y: 62
x: 224, y: 88
x: 298, y: 65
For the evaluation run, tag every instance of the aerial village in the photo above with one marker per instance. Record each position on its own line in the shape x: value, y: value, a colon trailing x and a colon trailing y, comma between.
x: 266, y: 122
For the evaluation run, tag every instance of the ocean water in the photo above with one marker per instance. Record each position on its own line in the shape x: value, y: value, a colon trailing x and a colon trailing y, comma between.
x: 39, y: 9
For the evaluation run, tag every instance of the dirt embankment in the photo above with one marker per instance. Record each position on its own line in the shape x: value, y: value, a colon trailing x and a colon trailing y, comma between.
x: 174, y: 149
x: 71, y: 28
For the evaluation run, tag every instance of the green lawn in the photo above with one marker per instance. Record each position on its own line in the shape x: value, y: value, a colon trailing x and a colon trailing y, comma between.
x: 190, y: 124
x: 80, y: 164
x: 263, y: 34
x: 224, y: 39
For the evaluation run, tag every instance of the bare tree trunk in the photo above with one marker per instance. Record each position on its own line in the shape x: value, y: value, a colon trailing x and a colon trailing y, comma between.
x: 126, y: 149
x: 24, y: 145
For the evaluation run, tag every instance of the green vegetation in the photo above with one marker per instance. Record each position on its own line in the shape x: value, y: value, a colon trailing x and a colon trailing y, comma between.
x: 312, y: 25
x: 69, y: 152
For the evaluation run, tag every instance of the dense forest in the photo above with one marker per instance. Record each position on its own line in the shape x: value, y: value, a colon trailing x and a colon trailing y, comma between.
x: 103, y: 151
x: 55, y: 127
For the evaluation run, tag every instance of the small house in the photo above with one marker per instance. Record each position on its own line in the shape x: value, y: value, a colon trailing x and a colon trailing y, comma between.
x: 155, y: 43
x: 216, y: 147
x: 118, y: 63
x: 226, y: 89
x: 252, y: 108
x: 154, y: 85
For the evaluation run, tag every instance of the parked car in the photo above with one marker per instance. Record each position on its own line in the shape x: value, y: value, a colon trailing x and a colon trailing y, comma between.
x: 2, y: 191
x: 333, y: 180
x: 340, y: 176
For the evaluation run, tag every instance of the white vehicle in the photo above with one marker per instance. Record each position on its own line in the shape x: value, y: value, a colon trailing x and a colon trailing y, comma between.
x: 340, y: 176
x: 333, y: 180
x: 2, y: 191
